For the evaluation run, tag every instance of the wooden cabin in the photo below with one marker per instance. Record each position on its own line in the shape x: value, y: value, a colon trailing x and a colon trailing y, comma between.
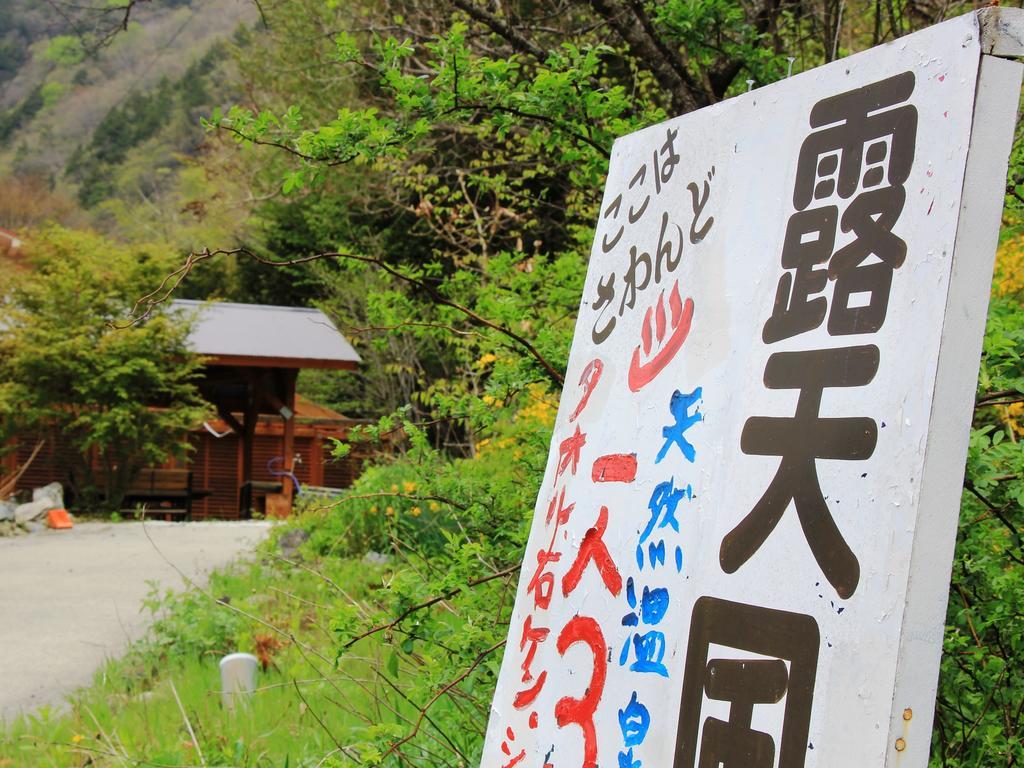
x: 254, y: 354
x: 217, y: 460
x: 264, y: 435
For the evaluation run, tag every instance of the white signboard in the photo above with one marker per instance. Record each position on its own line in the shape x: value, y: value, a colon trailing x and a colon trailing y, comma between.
x: 741, y: 549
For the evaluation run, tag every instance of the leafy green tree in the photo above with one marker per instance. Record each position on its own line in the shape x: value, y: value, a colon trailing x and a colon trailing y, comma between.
x: 121, y: 398
x: 64, y: 50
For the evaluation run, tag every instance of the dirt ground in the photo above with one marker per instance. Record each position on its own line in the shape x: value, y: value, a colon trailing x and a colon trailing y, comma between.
x: 70, y: 599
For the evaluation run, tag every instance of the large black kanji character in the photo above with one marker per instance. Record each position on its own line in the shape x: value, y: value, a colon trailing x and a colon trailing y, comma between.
x: 733, y: 743
x: 795, y: 312
x: 871, y: 217
x: 865, y: 117
x: 800, y: 440
x: 710, y: 742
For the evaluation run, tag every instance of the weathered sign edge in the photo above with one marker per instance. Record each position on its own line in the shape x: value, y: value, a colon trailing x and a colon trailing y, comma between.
x: 1002, y: 31
x: 995, y: 109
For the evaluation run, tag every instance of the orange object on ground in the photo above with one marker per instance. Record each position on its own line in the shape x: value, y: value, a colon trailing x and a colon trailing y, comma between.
x: 278, y: 506
x: 58, y: 518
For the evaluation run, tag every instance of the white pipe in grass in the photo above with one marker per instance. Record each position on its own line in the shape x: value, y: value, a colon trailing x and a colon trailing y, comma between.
x: 237, y: 677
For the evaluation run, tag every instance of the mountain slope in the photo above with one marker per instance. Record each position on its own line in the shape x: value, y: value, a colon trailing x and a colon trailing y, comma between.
x: 74, y: 117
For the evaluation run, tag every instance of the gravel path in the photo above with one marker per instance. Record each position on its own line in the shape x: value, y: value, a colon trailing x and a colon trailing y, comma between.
x: 70, y: 599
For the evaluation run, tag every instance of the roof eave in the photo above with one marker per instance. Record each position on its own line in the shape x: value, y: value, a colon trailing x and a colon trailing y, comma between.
x: 255, y: 361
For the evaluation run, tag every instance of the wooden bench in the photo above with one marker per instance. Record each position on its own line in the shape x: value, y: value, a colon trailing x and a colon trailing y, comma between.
x: 253, y: 496
x: 163, y: 492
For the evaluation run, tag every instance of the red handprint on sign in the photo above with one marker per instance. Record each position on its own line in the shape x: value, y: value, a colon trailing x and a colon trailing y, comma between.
x: 669, y: 333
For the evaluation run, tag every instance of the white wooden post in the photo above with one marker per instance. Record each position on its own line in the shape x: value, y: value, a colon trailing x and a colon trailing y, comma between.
x: 977, y: 234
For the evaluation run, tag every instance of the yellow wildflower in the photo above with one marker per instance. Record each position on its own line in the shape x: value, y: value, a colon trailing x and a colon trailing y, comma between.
x: 1009, y: 272
x: 415, y: 511
x: 409, y: 487
x: 1013, y: 415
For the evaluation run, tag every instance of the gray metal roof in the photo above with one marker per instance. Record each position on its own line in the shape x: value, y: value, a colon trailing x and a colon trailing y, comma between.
x: 258, y: 330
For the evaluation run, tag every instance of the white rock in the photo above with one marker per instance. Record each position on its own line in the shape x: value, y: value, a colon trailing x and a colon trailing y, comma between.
x: 33, y: 510
x: 7, y: 510
x: 54, y: 492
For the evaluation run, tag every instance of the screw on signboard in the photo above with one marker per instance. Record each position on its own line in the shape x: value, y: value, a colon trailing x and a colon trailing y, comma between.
x: 789, y: 71
x: 901, y: 743
x: 750, y: 85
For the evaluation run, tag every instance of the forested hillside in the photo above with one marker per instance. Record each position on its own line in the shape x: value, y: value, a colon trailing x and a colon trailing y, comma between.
x: 101, y: 120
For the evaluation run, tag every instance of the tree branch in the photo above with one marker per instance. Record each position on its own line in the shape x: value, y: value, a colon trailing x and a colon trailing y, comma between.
x: 263, y: 16
x: 97, y: 38
x: 423, y: 710
x: 675, y: 57
x: 291, y: 150
x: 427, y: 604
x: 682, y: 90
x: 316, y: 717
x: 390, y: 683
x: 992, y: 398
x: 393, y: 494
x: 725, y: 71
x: 999, y: 513
x: 501, y: 28
x: 438, y: 298
x: 530, y: 116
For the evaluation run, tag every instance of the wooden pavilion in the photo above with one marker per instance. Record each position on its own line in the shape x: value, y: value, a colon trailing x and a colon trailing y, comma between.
x: 265, y: 440
x: 254, y: 354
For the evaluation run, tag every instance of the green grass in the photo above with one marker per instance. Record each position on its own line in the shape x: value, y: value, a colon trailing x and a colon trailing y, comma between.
x: 305, y: 712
